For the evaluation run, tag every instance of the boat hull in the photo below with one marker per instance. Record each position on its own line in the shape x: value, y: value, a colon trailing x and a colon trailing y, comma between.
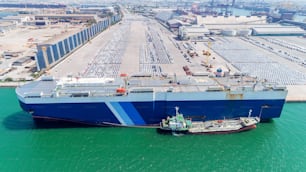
x: 247, y: 128
x: 226, y: 132
x: 151, y: 112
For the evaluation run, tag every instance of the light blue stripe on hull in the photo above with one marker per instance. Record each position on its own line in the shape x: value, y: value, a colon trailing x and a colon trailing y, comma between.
x: 115, y: 113
x: 120, y: 111
x: 134, y: 114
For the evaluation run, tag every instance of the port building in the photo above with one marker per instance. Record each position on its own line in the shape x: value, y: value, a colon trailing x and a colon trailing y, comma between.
x: 22, y: 61
x: 32, y: 5
x: 174, y: 24
x: 51, y: 52
x: 192, y: 32
x: 66, y: 17
x: 164, y: 16
x: 6, y: 26
x: 278, y: 31
x: 221, y: 20
x: 295, y: 23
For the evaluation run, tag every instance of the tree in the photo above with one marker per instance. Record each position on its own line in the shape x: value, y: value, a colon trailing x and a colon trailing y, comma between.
x: 8, y: 79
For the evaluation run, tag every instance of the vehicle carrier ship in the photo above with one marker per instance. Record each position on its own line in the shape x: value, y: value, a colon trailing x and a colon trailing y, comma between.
x: 143, y: 100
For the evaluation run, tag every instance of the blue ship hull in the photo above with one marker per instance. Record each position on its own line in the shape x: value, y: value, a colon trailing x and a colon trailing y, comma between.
x: 151, y: 113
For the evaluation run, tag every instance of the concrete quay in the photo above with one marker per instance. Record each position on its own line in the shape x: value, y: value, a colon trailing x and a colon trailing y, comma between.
x: 296, y: 93
x: 141, y: 45
x: 11, y: 84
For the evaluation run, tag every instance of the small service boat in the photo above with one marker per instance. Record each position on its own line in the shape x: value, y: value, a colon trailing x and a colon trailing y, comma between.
x: 180, y: 124
x: 176, y: 123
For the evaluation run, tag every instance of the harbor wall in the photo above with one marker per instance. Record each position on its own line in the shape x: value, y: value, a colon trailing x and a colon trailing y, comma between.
x: 49, y: 55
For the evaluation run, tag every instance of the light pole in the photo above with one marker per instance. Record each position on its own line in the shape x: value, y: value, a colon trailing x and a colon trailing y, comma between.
x: 263, y: 107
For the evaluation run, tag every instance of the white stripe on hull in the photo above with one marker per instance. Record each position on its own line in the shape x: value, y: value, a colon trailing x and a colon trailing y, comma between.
x: 143, y: 97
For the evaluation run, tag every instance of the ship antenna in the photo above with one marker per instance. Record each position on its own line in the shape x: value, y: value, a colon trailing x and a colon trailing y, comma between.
x: 250, y: 112
x: 261, y: 109
x: 176, y: 110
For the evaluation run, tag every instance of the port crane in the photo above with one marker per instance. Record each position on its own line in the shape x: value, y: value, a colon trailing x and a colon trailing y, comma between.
x: 224, y: 6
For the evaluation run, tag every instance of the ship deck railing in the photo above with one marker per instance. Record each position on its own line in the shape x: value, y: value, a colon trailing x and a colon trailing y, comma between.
x: 157, y: 87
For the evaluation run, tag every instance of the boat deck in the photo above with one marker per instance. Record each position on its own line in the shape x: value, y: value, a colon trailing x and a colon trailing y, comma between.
x: 214, y: 126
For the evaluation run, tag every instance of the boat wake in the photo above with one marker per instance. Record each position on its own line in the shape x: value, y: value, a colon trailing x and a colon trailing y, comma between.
x: 177, y: 134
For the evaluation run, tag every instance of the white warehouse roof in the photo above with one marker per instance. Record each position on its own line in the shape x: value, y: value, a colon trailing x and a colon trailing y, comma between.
x: 195, y: 29
x: 278, y: 30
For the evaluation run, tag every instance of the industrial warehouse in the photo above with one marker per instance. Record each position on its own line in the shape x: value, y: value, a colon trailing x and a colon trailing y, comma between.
x: 50, y: 52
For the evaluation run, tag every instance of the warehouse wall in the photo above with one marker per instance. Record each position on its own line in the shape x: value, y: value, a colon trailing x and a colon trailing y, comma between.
x: 48, y: 55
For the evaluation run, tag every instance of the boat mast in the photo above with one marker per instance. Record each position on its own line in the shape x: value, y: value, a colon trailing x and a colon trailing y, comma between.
x: 263, y: 107
x: 176, y: 110
x: 250, y: 112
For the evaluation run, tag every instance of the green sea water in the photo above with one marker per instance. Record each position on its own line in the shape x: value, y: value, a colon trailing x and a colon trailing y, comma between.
x: 279, y: 145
